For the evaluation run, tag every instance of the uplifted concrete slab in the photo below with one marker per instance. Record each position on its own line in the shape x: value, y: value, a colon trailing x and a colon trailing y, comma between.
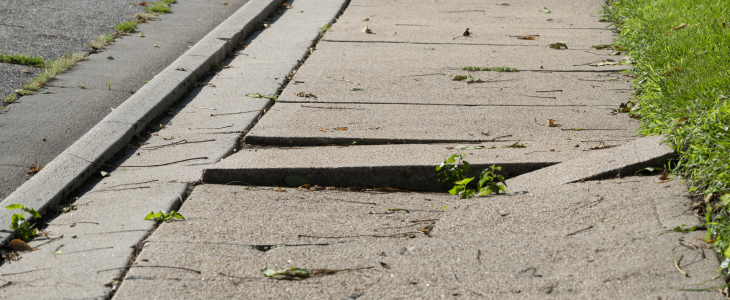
x: 295, y: 124
x: 470, y: 240
x: 624, y: 160
x: 379, y: 165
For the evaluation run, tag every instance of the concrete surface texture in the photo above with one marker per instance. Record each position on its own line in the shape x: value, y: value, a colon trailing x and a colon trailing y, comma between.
x: 37, y: 128
x: 97, y: 231
x: 558, y: 232
x: 601, y: 239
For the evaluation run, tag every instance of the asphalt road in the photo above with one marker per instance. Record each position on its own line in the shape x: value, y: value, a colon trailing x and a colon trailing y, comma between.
x: 39, y: 127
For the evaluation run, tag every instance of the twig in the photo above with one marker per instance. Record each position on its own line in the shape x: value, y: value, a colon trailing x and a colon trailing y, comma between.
x: 540, y: 97
x: 676, y: 265
x: 8, y: 274
x: 589, y: 203
x: 370, y: 203
x: 51, y: 240
x: 122, y: 189
x: 147, y: 166
x: 168, y: 267
x: 244, y: 278
x: 176, y: 143
x: 212, y: 127
x: 322, y: 272
x: 91, y: 250
x: 331, y: 107
x: 468, y: 289
x: 579, y: 231
x: 243, y: 112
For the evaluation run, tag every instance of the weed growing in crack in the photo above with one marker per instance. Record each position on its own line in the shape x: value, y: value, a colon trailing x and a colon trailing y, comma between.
x: 452, y: 174
x: 25, y: 230
x: 163, y: 216
x: 11, y: 98
x: 126, y: 27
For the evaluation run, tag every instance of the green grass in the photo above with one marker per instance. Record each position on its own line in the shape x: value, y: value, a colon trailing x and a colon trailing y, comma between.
x: 54, y: 68
x: 127, y: 26
x: 101, y: 41
x: 21, y: 59
x: 161, y: 7
x: 10, y: 98
x: 682, y: 90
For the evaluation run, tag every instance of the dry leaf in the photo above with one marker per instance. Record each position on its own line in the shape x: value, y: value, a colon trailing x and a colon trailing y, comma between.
x: 226, y: 3
x: 167, y: 139
x: 552, y: 123
x: 664, y: 175
x: 141, y: 34
x: 680, y: 27
x: 24, y: 71
x: 608, y: 62
x: 341, y: 128
x: 278, y: 189
x: 366, y: 30
x: 322, y: 129
x: 366, y: 19
x: 304, y: 94
x: 19, y: 245
x: 527, y: 37
x: 156, y: 46
x: 179, y: 69
x: 143, y: 4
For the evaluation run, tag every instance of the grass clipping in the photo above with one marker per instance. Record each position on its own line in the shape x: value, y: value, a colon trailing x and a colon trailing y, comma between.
x: 53, y: 68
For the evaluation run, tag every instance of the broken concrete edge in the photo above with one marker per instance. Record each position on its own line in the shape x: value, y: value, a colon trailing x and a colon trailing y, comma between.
x: 641, y: 153
x: 396, y: 176
x: 75, y: 165
x: 253, y: 139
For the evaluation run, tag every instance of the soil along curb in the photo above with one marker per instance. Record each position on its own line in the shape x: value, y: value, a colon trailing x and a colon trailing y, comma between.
x: 77, y: 163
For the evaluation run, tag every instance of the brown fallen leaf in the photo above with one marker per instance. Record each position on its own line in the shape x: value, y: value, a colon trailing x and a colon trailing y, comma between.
x: 20, y: 245
x: 341, y: 128
x: 366, y: 19
x: 226, y: 3
x: 322, y: 129
x: 143, y: 4
x: 278, y: 189
x: 34, y: 170
x: 304, y: 94
x: 24, y: 71
x: 527, y: 37
x: 680, y: 27
x: 664, y: 175
x: 552, y: 123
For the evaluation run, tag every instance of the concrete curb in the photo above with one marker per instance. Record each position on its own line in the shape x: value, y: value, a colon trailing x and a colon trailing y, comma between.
x: 77, y: 163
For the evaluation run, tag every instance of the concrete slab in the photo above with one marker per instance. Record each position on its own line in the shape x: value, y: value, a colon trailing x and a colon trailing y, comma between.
x: 214, y: 246
x: 91, y: 244
x: 294, y: 124
x: 624, y: 160
x: 116, y: 205
x: 444, y: 22
x: 377, y: 165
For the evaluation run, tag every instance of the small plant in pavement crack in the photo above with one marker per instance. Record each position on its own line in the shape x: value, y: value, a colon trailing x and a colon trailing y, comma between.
x: 452, y: 174
x: 18, y: 222
x: 324, y: 29
x: 163, y: 216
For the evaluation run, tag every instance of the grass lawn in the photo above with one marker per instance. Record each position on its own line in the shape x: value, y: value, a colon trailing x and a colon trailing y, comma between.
x: 682, y: 66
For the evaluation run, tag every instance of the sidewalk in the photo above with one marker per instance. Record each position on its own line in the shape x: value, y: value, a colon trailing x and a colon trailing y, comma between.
x: 575, y: 222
